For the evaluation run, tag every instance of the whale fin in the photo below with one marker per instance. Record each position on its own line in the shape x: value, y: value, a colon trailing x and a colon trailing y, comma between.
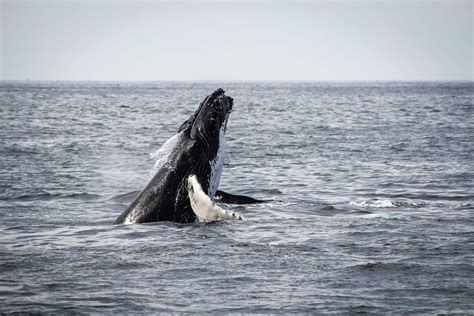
x: 202, y: 205
x: 228, y: 198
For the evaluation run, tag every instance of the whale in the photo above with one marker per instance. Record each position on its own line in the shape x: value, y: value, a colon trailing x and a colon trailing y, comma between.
x: 186, y: 179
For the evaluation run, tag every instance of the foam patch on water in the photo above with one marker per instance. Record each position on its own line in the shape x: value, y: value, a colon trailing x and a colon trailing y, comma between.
x: 387, y: 203
x: 376, y: 203
x: 163, y: 153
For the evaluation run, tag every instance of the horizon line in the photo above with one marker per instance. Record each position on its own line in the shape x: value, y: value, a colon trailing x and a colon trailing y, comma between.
x: 239, y: 80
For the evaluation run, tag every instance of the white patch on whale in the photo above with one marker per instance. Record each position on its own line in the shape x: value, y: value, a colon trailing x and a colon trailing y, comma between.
x: 217, y: 165
x: 204, y: 208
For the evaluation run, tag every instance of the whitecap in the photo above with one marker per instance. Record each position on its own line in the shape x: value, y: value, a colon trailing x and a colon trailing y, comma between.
x: 375, y: 203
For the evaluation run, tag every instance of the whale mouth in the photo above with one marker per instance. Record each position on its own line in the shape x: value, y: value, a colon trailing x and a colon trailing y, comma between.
x: 224, y: 124
x: 226, y: 106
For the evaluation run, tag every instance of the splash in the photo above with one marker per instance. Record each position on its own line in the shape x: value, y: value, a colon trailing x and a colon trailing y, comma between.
x: 162, y: 155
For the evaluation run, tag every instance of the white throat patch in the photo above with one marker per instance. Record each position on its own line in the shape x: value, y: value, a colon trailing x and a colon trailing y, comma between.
x: 217, y: 165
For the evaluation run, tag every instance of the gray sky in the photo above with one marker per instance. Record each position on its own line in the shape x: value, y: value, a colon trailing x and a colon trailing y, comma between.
x: 265, y: 40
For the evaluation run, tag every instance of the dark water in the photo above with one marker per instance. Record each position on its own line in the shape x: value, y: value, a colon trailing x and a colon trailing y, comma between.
x: 371, y: 185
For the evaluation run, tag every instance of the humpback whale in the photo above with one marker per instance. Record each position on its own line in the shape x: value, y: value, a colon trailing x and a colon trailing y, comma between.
x: 192, y: 168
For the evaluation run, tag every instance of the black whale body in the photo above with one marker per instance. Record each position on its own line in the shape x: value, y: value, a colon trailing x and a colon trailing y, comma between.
x: 165, y: 198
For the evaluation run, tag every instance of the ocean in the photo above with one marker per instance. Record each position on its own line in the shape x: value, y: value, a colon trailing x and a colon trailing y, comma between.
x: 370, y: 189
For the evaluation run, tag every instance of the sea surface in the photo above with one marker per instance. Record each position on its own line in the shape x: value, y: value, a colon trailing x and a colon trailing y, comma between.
x: 370, y: 189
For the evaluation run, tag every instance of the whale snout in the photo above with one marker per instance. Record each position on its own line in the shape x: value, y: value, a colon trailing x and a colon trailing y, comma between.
x: 227, y: 104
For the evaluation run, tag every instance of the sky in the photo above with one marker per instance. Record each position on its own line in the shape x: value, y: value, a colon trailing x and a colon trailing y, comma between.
x: 226, y: 40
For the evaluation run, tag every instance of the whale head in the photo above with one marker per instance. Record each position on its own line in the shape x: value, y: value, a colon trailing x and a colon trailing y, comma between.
x: 206, y: 128
x: 210, y: 119
x: 212, y: 115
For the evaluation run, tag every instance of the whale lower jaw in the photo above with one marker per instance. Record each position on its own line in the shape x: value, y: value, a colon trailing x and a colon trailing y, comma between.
x: 205, y: 209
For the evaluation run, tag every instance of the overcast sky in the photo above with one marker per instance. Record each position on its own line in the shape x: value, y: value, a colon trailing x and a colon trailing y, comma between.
x: 266, y: 40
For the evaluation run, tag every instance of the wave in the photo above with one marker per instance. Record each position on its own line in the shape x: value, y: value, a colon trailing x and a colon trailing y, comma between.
x: 430, y: 196
x: 46, y: 196
x: 389, y: 215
